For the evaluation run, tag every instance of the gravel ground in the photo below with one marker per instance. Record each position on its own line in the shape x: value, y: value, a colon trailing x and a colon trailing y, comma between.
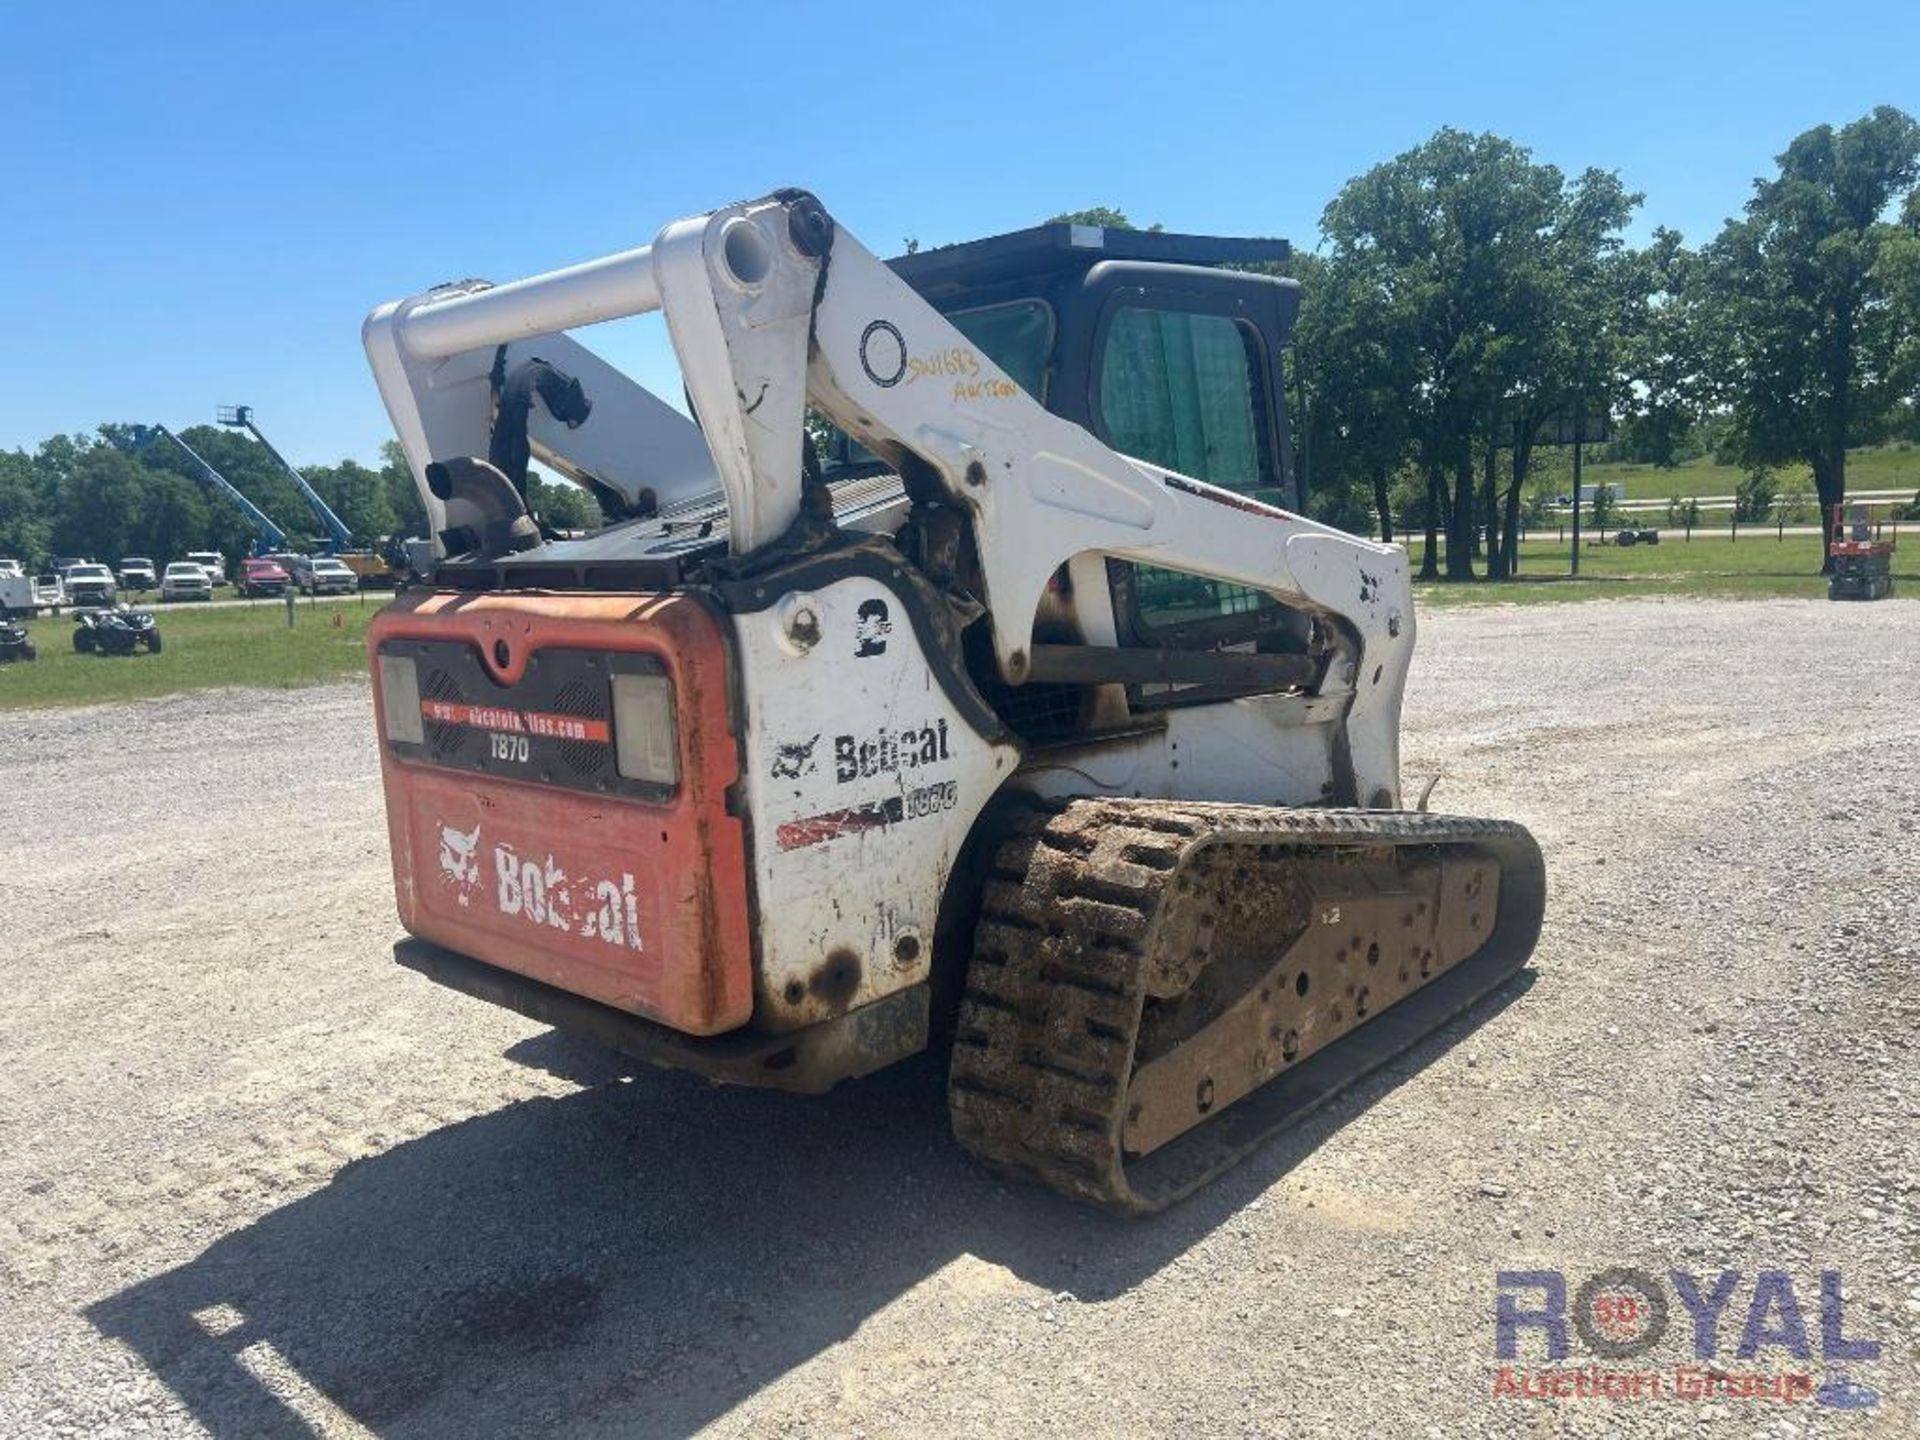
x: 257, y: 1180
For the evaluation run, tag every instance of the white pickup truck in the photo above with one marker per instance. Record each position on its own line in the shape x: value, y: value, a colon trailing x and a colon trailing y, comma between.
x: 24, y: 594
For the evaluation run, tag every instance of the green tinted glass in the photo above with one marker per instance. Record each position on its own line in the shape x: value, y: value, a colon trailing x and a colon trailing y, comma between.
x: 1176, y: 389
x: 1015, y: 336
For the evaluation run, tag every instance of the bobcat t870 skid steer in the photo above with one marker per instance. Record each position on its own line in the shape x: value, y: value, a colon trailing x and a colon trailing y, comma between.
x: 962, y: 670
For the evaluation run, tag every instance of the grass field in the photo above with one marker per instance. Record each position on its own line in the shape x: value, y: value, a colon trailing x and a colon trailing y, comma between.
x: 1889, y: 467
x: 1756, y: 566
x: 200, y: 649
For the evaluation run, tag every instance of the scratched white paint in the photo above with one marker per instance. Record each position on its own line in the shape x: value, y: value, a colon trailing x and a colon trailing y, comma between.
x: 541, y: 893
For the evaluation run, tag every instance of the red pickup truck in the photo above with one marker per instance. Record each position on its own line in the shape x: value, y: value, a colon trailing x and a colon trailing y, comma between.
x: 261, y: 577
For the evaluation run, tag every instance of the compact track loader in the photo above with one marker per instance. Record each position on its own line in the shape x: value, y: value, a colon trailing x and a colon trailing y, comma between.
x: 963, y: 671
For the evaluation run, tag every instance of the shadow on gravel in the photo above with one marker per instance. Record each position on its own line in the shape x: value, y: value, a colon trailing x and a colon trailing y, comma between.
x: 641, y: 1255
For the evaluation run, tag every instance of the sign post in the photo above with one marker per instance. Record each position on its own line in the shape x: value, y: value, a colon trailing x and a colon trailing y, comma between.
x: 1576, y: 504
x: 1576, y: 428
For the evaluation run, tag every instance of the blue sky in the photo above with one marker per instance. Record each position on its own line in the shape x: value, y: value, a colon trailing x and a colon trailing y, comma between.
x: 201, y: 202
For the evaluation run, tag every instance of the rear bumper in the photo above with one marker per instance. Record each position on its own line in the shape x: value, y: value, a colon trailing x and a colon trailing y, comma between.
x: 807, y: 1061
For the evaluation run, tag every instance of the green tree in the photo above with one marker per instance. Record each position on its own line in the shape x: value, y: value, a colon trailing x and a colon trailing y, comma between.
x: 24, y: 532
x: 1667, y: 388
x: 1753, y: 497
x: 124, y: 491
x: 1106, y: 216
x: 1492, y: 275
x: 1600, y: 508
x: 170, y: 516
x: 93, y: 508
x: 403, y: 496
x: 1683, y: 510
x: 1572, y: 315
x: 1809, y: 296
x: 1357, y: 372
x: 357, y: 495
x: 1794, y: 504
x: 562, y: 504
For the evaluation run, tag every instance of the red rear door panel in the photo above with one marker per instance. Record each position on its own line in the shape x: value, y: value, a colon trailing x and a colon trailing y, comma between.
x: 640, y: 903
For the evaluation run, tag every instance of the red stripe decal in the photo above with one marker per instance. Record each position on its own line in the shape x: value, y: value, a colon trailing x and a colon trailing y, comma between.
x: 519, y: 722
x: 1223, y: 497
x: 815, y: 829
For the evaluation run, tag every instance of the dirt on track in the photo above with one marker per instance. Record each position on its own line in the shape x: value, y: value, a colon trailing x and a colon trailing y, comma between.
x: 258, y: 1180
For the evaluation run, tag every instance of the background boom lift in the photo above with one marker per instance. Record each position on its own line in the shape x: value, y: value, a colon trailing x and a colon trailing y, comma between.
x: 373, y: 567
x: 339, y: 538
x: 268, y: 537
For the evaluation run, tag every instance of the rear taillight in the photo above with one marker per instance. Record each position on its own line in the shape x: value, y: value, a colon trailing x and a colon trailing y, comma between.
x: 400, y: 700
x: 645, y: 739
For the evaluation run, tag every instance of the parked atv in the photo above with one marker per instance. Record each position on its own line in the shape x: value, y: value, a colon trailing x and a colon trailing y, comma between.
x: 119, y: 631
x: 15, y: 643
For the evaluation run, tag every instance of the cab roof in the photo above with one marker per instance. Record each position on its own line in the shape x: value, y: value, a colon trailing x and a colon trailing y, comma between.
x: 1062, y: 247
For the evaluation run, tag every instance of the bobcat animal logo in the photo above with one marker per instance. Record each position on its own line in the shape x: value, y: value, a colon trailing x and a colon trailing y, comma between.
x: 460, y: 859
x: 794, y: 759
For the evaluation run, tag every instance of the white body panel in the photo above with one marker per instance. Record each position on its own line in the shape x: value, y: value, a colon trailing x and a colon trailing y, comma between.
x: 864, y: 780
x: 1264, y: 750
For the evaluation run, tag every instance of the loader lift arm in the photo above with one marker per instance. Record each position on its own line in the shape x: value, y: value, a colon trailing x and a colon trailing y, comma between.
x: 773, y: 308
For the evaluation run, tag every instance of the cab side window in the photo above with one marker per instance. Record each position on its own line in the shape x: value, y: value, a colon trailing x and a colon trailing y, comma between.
x: 1183, y: 390
x: 1017, y: 336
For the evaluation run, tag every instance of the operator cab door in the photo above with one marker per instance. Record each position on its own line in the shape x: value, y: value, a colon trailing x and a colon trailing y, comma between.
x: 1181, y: 368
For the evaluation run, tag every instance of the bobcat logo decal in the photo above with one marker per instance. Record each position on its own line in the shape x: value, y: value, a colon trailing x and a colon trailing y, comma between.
x: 460, y: 859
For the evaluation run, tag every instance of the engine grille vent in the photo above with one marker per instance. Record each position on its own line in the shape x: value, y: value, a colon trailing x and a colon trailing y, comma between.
x: 446, y: 742
x: 589, y: 701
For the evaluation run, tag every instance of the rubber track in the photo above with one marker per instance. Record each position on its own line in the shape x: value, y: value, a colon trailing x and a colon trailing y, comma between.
x: 1044, y: 1046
